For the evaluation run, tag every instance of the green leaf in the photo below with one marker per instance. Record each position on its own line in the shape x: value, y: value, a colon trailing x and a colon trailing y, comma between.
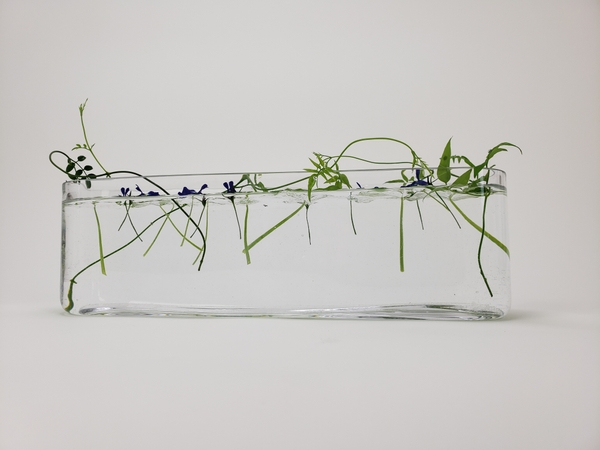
x: 443, y: 172
x: 87, y: 168
x: 344, y: 180
x: 311, y: 184
x: 494, y: 152
x: 70, y: 167
x: 461, y: 159
x: 463, y: 180
x: 81, y: 158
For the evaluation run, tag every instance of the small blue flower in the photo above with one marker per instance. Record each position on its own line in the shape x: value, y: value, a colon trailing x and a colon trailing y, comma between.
x: 125, y: 192
x: 149, y: 193
x: 360, y: 187
x: 418, y: 181
x: 230, y: 187
x: 186, y: 191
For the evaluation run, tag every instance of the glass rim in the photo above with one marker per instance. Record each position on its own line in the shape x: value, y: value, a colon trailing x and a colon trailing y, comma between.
x: 256, y: 172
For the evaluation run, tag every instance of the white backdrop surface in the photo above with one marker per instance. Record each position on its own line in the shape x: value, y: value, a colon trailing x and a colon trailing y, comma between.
x: 203, y: 86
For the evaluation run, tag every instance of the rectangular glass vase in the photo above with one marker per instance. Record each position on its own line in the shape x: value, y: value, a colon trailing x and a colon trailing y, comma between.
x: 265, y: 245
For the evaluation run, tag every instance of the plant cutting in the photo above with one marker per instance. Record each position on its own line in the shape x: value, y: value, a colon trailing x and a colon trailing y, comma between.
x: 427, y: 242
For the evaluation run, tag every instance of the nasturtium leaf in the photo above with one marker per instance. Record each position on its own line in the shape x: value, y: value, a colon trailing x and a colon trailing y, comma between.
x: 443, y: 172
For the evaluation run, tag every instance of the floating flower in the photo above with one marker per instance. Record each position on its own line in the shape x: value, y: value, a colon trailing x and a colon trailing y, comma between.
x: 230, y: 187
x: 186, y: 191
x: 125, y: 192
x: 149, y: 193
x: 418, y: 181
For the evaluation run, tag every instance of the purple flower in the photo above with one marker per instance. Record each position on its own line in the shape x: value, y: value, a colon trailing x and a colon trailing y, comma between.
x: 418, y: 181
x: 125, y: 192
x: 186, y: 191
x: 149, y: 193
x: 229, y: 187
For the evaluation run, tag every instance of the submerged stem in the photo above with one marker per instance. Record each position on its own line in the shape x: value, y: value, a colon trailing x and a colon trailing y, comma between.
x: 101, y: 260
x: 246, y: 248
x: 401, y: 234
x: 420, y: 215
x: 485, y: 199
x: 159, y: 231
x: 183, y: 237
x: 270, y: 230
x: 102, y: 266
x: 237, y: 218
x: 503, y: 247
x: 352, y: 215
x: 308, y: 225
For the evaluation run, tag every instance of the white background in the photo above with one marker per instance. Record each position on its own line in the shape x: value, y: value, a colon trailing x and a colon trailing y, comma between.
x: 201, y: 86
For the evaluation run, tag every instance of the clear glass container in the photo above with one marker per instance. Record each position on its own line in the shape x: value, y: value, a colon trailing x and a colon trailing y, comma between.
x: 263, y: 245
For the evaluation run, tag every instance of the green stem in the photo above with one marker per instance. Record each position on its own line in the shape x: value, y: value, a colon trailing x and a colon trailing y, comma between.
x: 308, y: 225
x: 128, y: 204
x: 487, y: 285
x: 420, y: 215
x: 89, y: 147
x: 237, y: 218
x: 270, y: 230
x: 503, y: 247
x: 187, y: 223
x: 416, y: 159
x: 102, y: 266
x: 101, y: 260
x: 401, y: 234
x: 246, y: 248
x: 159, y: 231
x: 352, y: 215
x: 202, y: 252
x: 183, y: 236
